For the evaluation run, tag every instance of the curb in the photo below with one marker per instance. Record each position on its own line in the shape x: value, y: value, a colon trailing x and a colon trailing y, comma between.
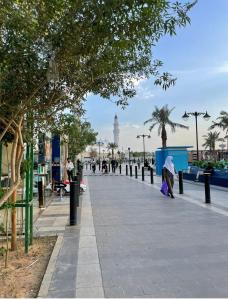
x: 45, y: 284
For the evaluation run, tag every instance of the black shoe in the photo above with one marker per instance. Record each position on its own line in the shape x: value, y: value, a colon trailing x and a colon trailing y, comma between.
x: 172, y: 197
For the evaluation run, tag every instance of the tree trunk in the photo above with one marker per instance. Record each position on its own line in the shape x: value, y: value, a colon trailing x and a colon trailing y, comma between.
x: 15, y: 165
x: 14, y: 195
x: 163, y: 136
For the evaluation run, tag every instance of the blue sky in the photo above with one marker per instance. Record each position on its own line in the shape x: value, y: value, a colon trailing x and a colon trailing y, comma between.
x: 198, y: 57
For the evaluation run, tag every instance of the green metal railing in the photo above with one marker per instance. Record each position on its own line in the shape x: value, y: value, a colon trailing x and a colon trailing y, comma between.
x: 0, y: 164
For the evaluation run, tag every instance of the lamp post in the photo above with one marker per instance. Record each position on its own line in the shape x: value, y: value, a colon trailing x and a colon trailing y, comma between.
x: 144, y: 151
x: 129, y: 149
x: 205, y: 115
x: 99, y: 143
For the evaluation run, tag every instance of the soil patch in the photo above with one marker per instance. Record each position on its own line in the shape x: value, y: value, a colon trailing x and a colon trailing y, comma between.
x: 23, y: 276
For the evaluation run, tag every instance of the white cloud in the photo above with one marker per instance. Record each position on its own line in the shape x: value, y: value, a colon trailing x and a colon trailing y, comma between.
x: 138, y: 81
x: 223, y: 68
x: 143, y: 90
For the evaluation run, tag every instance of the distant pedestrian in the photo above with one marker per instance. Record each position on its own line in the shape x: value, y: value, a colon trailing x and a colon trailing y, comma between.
x: 113, y: 163
x: 169, y: 173
x: 69, y: 168
x: 94, y: 167
x: 138, y: 163
x: 104, y: 167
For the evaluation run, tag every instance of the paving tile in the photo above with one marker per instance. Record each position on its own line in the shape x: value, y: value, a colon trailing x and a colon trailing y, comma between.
x: 150, y: 246
x: 95, y: 292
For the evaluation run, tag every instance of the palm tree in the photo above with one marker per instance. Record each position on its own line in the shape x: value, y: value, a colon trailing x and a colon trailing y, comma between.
x: 160, y: 117
x: 112, y: 147
x: 222, y: 121
x: 210, y: 139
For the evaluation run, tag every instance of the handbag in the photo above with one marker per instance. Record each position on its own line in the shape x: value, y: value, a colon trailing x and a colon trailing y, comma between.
x: 164, y: 188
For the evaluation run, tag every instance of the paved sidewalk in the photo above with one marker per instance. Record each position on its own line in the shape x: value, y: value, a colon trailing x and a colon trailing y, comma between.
x: 151, y: 246
x: 134, y: 242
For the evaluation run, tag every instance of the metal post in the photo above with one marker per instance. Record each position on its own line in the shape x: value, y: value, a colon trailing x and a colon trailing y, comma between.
x: 31, y: 194
x: 0, y: 163
x: 163, y: 177
x: 136, y: 172
x: 207, y: 188
x: 181, y: 189
x: 120, y: 167
x: 144, y: 151
x: 109, y: 167
x: 131, y: 170
x: 27, y: 196
x: 40, y: 193
x: 197, y: 146
x: 74, y: 202
x: 151, y: 175
x: 126, y: 169
x: 142, y: 173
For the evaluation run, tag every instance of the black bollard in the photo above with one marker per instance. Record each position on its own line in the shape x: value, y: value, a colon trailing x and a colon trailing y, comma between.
x: 79, y: 175
x: 76, y: 179
x: 74, y: 202
x: 151, y: 175
x: 109, y: 167
x: 120, y: 167
x: 207, y: 188
x: 136, y: 172
x: 41, y: 194
x: 90, y: 167
x: 142, y: 173
x: 99, y: 166
x: 126, y: 169
x: 181, y: 188
x: 131, y: 170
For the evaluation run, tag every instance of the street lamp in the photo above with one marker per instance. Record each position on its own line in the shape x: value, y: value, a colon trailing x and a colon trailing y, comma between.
x: 206, y: 117
x: 99, y: 143
x: 144, y: 151
x: 129, y: 149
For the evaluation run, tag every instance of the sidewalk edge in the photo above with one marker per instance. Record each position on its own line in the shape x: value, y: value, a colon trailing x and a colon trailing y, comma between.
x: 45, y: 284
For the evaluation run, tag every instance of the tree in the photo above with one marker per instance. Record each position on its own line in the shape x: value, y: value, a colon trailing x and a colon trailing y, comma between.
x: 112, y: 147
x: 210, y: 140
x: 52, y: 53
x: 161, y: 117
x: 78, y: 133
x: 222, y: 122
x: 93, y: 152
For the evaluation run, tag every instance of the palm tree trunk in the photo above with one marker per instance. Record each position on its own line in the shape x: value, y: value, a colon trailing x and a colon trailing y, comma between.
x: 163, y: 136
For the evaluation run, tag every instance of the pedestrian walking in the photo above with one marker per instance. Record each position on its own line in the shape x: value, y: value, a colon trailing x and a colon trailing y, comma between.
x: 113, y: 163
x: 104, y: 167
x: 69, y: 168
x: 93, y: 167
x: 138, y: 163
x: 169, y: 173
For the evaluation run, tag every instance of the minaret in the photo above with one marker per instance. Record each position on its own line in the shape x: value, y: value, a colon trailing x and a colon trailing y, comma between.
x: 116, y: 131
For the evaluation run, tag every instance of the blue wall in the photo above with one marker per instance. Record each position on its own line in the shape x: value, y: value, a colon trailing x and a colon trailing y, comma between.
x: 56, y: 174
x: 180, y: 158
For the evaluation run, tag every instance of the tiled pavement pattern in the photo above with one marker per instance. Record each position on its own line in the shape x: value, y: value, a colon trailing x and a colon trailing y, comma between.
x: 53, y: 221
x: 151, y: 246
x: 54, y: 218
x: 148, y: 245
